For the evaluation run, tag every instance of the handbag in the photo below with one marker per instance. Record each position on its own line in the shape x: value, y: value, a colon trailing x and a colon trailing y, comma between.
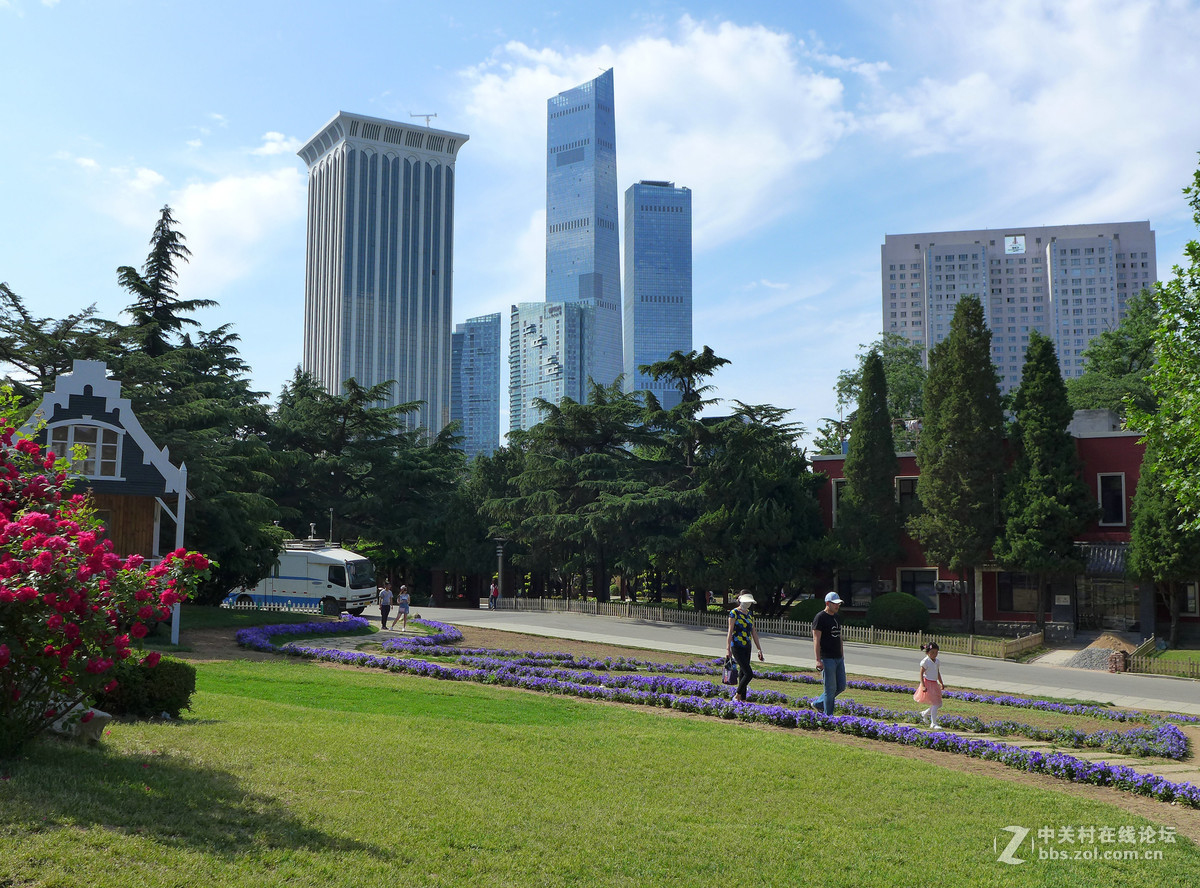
x: 729, y: 674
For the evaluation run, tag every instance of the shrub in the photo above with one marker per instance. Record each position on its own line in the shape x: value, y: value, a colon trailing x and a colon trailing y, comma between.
x: 70, y: 606
x: 806, y: 610
x: 143, y: 692
x: 899, y: 611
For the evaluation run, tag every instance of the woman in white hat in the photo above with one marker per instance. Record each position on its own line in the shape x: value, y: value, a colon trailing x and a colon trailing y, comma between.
x: 737, y: 641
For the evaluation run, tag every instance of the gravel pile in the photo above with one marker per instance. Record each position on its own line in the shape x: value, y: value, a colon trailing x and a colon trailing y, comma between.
x: 1090, y: 658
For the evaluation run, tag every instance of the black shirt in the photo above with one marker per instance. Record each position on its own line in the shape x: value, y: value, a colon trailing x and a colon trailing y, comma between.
x: 831, y: 635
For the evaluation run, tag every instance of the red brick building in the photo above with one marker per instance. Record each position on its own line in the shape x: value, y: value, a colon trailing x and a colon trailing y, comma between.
x: 1006, y: 601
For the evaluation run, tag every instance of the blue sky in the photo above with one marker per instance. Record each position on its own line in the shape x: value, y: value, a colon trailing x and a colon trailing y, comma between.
x: 806, y: 131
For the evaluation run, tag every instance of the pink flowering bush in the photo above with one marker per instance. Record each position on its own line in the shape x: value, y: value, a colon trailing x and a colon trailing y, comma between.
x: 70, y: 607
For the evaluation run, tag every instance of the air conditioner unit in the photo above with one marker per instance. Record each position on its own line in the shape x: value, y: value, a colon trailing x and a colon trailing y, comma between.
x: 942, y: 586
x: 883, y: 585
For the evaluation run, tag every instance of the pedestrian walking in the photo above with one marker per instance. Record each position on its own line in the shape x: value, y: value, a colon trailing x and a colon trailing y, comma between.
x: 931, y: 684
x: 385, y: 603
x: 827, y: 649
x: 402, y: 602
x: 737, y: 641
x: 493, y: 596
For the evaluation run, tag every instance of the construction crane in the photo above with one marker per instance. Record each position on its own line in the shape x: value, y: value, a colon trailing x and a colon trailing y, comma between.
x: 427, y: 117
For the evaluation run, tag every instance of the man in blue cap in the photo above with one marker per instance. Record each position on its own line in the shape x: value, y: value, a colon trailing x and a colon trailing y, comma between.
x: 827, y: 647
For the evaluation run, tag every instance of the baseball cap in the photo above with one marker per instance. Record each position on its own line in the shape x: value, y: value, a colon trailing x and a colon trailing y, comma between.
x: 832, y: 598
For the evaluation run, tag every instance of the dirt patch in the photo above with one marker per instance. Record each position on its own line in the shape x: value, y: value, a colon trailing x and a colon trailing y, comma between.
x: 1110, y: 642
x: 209, y: 645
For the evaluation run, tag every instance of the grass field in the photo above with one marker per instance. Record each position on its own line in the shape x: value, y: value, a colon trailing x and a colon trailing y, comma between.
x: 1181, y: 655
x: 290, y: 773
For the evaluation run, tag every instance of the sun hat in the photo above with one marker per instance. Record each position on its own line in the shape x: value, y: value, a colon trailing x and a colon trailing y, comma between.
x: 832, y: 598
x: 746, y: 598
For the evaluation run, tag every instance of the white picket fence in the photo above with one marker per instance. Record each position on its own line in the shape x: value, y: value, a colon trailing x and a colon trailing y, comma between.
x: 1003, y: 648
x: 299, y: 607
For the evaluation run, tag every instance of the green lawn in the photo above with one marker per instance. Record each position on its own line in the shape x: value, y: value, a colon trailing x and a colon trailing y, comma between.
x: 289, y: 773
x: 1181, y: 655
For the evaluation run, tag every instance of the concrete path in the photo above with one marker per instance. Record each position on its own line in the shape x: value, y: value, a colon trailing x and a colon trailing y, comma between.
x: 900, y: 664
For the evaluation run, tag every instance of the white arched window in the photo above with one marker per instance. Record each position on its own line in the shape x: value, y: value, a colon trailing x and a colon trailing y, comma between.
x: 94, y: 450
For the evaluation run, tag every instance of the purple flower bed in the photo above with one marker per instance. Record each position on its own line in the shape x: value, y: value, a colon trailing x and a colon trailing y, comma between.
x: 259, y: 638
x: 553, y: 673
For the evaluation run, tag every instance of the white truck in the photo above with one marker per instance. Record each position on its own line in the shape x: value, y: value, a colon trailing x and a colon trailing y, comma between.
x: 309, y: 571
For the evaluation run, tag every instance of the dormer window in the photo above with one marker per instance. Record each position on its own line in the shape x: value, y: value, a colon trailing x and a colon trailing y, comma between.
x: 101, y: 448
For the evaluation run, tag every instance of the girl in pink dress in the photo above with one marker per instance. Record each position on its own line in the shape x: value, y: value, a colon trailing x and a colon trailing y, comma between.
x: 931, y: 684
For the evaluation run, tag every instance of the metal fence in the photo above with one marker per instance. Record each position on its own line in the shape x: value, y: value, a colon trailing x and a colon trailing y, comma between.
x: 1004, y: 648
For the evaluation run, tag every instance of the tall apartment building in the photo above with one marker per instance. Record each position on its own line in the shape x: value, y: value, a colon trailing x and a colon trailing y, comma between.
x: 658, y: 282
x: 475, y: 383
x: 545, y: 357
x: 1069, y: 282
x: 379, y: 259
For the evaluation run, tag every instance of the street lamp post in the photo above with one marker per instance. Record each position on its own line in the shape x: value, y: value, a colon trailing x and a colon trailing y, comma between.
x: 500, y: 541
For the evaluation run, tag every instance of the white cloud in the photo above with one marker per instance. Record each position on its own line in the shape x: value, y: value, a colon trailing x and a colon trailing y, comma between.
x: 228, y: 221
x: 277, y: 143
x: 732, y: 112
x: 1076, y: 110
x: 195, y: 143
x: 141, y: 179
x: 87, y: 163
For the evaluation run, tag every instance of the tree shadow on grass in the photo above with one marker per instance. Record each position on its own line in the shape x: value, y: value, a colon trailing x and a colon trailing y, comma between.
x: 164, y: 797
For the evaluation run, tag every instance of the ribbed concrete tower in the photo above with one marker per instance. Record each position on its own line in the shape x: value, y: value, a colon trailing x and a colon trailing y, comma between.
x: 380, y: 259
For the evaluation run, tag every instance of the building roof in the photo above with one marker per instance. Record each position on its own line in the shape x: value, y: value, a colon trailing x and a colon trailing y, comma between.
x: 88, y: 395
x: 1103, y: 559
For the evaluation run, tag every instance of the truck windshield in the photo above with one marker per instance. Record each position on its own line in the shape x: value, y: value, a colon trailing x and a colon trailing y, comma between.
x: 362, y: 574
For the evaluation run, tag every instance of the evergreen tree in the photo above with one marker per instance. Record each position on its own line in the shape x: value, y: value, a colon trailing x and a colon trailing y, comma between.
x: 905, y: 375
x: 1174, y: 430
x: 960, y: 453
x: 868, y: 528
x: 759, y: 525
x: 157, y: 311
x: 193, y: 397
x: 1047, y: 504
x: 670, y: 500
x: 34, y: 350
x: 1163, y: 550
x: 1119, y: 361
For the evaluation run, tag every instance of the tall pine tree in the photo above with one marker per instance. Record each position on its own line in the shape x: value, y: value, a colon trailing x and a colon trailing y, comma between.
x: 868, y: 527
x: 1046, y: 504
x: 960, y: 454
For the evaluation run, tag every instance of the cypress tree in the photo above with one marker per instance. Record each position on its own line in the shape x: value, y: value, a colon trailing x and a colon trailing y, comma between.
x: 868, y: 526
x: 1047, y: 504
x: 960, y: 452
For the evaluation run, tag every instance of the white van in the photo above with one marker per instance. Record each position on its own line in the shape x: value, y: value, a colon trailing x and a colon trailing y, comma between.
x: 311, y: 571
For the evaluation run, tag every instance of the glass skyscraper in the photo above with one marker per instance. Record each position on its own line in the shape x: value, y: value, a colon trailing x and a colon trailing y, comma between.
x: 658, y: 282
x: 379, y: 259
x: 583, y: 263
x: 544, y: 357
x: 475, y: 383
